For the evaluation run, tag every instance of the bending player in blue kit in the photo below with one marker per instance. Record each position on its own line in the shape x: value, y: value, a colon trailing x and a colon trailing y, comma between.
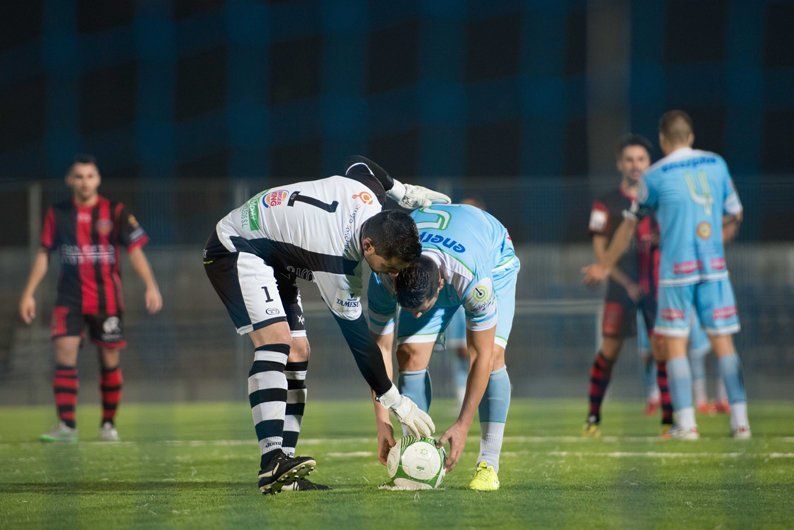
x: 467, y: 260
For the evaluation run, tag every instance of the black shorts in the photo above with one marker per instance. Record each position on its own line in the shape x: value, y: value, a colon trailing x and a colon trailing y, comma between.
x: 620, y: 312
x: 255, y: 294
x: 103, y: 330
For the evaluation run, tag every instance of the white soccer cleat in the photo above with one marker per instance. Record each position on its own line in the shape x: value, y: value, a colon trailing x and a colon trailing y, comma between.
x: 60, y: 434
x: 742, y: 433
x: 689, y: 435
x: 108, y: 433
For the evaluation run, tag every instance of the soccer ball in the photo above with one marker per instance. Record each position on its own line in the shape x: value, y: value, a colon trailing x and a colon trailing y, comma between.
x: 416, y: 463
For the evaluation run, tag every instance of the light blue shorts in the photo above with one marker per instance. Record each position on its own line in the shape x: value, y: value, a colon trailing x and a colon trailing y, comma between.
x: 713, y: 302
x: 698, y: 340
x: 427, y: 327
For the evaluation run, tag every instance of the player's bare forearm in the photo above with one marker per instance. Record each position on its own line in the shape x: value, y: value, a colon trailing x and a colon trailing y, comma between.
x: 480, y: 345
x: 142, y: 268
x: 621, y: 241
x: 154, y: 300
x: 600, y: 245
x: 38, y: 270
x: 730, y: 227
x: 27, y: 302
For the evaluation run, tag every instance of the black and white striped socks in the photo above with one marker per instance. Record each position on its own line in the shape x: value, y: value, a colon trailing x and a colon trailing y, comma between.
x: 267, y: 394
x: 296, y: 401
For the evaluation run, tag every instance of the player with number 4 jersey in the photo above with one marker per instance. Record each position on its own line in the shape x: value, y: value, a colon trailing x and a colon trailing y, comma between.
x: 320, y: 231
x: 692, y: 195
x: 467, y: 260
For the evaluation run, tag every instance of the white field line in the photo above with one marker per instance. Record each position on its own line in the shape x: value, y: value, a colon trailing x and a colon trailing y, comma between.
x: 612, y: 454
x: 324, y: 442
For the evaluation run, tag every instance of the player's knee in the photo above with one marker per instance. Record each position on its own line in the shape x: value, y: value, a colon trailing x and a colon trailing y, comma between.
x: 300, y: 350
x: 410, y: 358
x: 110, y: 357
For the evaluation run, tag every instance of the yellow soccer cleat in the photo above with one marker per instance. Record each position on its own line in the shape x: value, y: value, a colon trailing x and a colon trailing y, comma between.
x: 591, y: 430
x: 485, y: 478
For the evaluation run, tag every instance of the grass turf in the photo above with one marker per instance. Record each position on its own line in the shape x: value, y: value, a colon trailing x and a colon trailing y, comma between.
x: 194, y: 465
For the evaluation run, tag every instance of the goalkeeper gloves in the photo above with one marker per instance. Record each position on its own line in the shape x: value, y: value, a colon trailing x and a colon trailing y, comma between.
x: 412, y: 197
x: 415, y: 420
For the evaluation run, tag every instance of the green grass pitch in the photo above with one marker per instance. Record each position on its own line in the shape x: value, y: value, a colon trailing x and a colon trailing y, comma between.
x: 194, y: 466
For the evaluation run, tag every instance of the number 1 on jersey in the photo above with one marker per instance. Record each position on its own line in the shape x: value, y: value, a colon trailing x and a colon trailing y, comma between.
x: 296, y: 196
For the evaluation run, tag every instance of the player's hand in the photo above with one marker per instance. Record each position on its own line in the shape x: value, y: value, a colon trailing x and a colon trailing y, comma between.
x: 634, y: 291
x: 416, y: 421
x: 456, y: 436
x: 154, y: 300
x: 385, y: 441
x: 594, y: 274
x: 411, y: 197
x: 27, y: 309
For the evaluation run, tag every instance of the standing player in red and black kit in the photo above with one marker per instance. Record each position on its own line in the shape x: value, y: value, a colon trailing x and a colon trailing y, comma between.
x: 88, y: 231
x: 632, y: 283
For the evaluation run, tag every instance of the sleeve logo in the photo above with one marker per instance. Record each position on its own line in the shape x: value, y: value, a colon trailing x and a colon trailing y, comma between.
x: 364, y: 197
x: 274, y: 198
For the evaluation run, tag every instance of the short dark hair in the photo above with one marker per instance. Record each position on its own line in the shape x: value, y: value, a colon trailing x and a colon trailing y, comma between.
x: 394, y: 235
x: 84, y: 158
x: 676, y: 126
x: 416, y: 283
x: 632, y: 139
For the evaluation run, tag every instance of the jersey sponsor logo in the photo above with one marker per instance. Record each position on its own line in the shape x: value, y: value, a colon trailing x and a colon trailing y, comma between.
x: 722, y: 313
x: 426, y: 237
x: 301, y: 272
x: 364, y: 196
x: 75, y: 254
x: 598, y: 220
x: 672, y: 314
x: 111, y: 326
x: 687, y: 267
x: 718, y: 264
x: 692, y: 162
x: 83, y: 217
x: 104, y: 226
x: 703, y: 230
x: 350, y: 303
x: 274, y: 198
x: 249, y: 214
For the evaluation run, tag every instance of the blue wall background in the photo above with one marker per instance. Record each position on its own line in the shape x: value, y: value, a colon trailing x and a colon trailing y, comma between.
x: 242, y: 89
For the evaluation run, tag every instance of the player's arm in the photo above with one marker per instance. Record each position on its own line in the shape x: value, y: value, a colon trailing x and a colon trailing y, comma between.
x: 154, y: 301
x: 407, y: 196
x: 600, y: 248
x: 732, y: 208
x: 730, y: 227
x: 346, y: 309
x: 621, y: 240
x: 382, y: 419
x: 38, y: 270
x: 132, y: 235
x: 480, y: 345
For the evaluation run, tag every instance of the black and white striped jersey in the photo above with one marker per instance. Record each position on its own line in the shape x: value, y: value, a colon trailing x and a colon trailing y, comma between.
x: 311, y: 230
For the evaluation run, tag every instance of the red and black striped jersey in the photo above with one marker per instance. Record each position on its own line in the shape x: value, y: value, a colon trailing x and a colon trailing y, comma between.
x: 641, y: 260
x: 88, y: 239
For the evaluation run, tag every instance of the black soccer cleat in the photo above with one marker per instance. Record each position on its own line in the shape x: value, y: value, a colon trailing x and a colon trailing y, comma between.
x: 281, y: 469
x: 303, y: 484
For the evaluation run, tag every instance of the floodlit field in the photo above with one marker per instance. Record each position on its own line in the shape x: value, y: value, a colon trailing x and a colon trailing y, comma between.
x: 194, y: 465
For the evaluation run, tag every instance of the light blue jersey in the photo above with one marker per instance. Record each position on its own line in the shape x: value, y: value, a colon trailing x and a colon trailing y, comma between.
x: 477, y: 261
x: 690, y: 191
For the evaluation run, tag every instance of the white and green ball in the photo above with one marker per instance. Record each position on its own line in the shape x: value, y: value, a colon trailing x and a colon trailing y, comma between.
x: 416, y: 463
